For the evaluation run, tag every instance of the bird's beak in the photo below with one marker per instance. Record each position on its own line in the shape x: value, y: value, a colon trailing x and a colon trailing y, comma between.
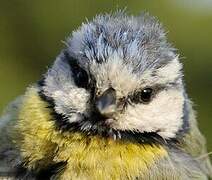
x: 106, y: 103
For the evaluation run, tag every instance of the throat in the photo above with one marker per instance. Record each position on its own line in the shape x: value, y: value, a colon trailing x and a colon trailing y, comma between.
x: 98, y: 157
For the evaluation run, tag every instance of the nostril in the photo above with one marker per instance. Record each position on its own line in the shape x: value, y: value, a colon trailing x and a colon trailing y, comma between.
x: 106, y: 103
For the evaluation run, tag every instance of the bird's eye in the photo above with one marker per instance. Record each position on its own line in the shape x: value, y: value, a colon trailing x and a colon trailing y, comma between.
x: 143, y: 96
x: 146, y: 95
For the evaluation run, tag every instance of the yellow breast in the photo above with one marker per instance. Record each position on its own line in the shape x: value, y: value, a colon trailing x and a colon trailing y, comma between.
x: 88, y: 157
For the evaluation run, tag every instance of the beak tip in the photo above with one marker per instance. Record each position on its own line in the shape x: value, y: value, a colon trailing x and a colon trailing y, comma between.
x: 107, y: 110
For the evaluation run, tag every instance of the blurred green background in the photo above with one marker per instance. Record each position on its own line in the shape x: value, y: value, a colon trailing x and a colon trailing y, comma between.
x: 31, y: 34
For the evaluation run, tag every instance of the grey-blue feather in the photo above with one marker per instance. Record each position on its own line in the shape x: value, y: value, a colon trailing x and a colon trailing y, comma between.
x: 140, y: 41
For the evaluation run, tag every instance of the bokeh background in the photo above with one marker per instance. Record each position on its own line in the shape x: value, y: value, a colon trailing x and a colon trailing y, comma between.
x: 31, y: 35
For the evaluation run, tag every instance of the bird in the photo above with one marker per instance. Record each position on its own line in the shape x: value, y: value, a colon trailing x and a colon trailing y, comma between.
x: 113, y: 105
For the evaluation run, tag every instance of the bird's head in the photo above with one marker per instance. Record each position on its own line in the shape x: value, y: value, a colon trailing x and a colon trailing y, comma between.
x: 118, y: 76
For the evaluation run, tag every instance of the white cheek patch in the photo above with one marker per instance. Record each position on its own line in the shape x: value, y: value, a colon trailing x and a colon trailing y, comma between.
x: 71, y: 103
x: 69, y: 100
x: 74, y: 100
x: 163, y: 115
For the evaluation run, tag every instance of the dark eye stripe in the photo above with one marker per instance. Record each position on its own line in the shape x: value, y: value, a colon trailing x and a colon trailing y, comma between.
x: 80, y: 76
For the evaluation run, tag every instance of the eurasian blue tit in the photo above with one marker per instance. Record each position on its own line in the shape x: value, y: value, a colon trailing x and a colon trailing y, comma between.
x: 113, y: 106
